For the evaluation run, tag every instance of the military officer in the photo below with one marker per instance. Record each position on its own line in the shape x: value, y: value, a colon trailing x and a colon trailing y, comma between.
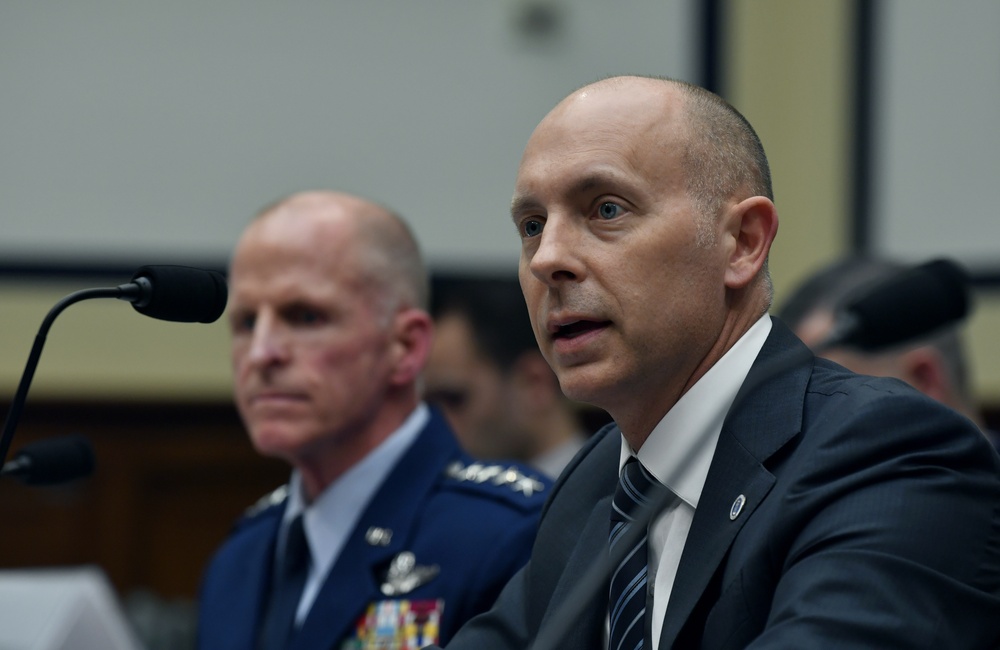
x: 387, y: 534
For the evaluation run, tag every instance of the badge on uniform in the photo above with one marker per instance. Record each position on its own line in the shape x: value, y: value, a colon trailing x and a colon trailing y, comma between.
x: 404, y: 574
x: 495, y: 474
x: 398, y: 625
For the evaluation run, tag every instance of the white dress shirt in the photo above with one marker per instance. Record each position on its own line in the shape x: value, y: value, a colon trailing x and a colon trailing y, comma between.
x: 679, y: 452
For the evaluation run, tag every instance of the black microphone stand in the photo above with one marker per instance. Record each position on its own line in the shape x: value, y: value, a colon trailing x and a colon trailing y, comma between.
x: 124, y: 291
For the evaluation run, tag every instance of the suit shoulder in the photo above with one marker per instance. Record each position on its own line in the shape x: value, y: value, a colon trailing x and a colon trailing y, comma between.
x: 852, y: 394
x: 263, y: 510
x: 844, y: 404
x: 510, y: 484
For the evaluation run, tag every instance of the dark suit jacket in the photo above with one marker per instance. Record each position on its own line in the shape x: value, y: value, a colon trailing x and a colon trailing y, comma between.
x: 478, y: 532
x: 871, y: 519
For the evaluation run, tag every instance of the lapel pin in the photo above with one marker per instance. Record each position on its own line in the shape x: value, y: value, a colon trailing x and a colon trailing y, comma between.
x: 737, y: 507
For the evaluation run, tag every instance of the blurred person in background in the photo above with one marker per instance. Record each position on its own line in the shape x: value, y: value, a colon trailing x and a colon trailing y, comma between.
x: 490, y: 380
x: 936, y: 364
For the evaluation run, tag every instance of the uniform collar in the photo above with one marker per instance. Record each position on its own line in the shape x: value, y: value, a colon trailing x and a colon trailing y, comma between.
x: 332, y: 516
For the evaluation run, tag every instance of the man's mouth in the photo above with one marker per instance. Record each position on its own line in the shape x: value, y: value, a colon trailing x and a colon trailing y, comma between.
x: 578, y: 328
x: 276, y: 397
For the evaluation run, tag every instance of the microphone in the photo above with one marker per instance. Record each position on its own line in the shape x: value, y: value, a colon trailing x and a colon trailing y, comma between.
x: 175, y: 293
x: 51, y: 461
x: 909, y: 305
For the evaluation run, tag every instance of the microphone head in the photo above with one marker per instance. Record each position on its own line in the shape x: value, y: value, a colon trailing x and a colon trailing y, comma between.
x: 912, y: 304
x: 53, y: 461
x: 181, y: 293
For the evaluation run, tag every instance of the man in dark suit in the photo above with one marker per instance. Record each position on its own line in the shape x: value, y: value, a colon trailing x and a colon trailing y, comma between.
x: 804, y: 506
x: 387, y: 535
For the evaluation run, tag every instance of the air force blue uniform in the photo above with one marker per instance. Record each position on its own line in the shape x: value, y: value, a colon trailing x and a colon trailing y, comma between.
x: 434, y: 547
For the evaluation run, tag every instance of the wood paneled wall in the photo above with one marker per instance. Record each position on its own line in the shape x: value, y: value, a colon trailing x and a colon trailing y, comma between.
x: 170, y: 481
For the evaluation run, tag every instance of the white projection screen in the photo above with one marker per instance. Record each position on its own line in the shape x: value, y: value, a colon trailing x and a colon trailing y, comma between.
x: 936, y: 132
x: 150, y: 132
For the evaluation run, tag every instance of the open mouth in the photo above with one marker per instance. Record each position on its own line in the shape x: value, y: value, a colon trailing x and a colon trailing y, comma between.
x: 575, y: 329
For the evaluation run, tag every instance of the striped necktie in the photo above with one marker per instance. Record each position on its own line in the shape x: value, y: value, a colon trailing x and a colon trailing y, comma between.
x: 637, y: 488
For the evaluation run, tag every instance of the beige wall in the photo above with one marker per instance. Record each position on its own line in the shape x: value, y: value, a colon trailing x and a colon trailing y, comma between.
x: 789, y: 72
x: 104, y: 348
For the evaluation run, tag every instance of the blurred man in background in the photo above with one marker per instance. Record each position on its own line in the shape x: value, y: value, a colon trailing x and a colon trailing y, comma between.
x: 935, y: 365
x: 386, y: 530
x: 492, y: 383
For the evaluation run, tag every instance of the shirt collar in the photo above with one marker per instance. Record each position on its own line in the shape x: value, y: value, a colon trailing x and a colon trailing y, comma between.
x: 679, y: 450
x: 331, y: 517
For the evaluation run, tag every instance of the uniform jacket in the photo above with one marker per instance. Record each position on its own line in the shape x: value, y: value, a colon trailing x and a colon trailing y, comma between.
x: 840, y: 511
x: 474, y: 522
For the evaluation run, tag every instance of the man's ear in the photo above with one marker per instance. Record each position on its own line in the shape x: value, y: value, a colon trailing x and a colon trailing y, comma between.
x: 413, y: 334
x: 752, y: 224
x: 923, y: 368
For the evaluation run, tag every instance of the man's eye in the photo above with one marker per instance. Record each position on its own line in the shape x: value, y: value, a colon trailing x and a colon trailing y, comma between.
x: 302, y: 315
x: 307, y: 317
x: 532, y: 228
x: 451, y: 400
x: 243, y: 323
x: 609, y: 210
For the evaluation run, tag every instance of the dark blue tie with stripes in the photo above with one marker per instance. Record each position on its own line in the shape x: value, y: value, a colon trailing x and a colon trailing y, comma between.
x: 627, y: 603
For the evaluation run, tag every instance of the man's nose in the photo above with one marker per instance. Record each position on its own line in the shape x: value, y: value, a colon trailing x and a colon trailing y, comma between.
x: 267, y: 344
x: 557, y: 256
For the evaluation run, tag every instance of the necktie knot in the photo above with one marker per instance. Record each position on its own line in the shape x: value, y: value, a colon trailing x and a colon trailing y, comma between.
x: 296, y: 556
x: 637, y: 489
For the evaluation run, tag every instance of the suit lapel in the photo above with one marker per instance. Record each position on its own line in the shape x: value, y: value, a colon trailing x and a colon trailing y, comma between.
x: 248, y: 584
x: 589, y: 486
x: 583, y: 627
x: 766, y: 414
x: 352, y: 582
x: 734, y: 472
x: 348, y: 587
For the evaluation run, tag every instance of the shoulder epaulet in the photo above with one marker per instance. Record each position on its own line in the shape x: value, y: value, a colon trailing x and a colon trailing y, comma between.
x: 273, y: 498
x: 500, y: 475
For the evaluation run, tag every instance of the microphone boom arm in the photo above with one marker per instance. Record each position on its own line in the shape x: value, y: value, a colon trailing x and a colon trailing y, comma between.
x: 184, y: 294
x: 17, y: 404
